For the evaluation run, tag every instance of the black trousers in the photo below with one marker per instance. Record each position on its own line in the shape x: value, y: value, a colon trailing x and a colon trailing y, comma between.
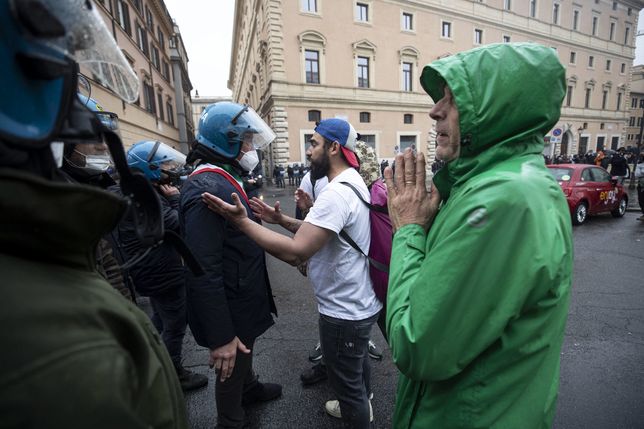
x: 228, y: 394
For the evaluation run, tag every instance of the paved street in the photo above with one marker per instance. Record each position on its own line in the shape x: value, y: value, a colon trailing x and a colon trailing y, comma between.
x: 602, y: 376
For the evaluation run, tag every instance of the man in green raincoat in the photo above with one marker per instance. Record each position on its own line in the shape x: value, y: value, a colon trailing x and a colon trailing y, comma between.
x: 481, y: 266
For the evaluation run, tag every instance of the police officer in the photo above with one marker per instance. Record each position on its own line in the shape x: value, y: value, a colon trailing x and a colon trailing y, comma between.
x: 75, y: 354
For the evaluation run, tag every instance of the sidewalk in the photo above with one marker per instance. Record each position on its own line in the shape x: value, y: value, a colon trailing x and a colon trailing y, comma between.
x: 633, y: 205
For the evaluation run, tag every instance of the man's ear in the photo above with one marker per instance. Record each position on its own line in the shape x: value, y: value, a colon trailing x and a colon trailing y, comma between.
x: 335, y: 148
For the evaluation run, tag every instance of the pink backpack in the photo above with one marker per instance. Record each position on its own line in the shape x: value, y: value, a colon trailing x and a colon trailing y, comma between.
x: 381, y: 237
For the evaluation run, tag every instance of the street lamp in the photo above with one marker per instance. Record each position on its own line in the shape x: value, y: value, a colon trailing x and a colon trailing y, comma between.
x: 579, y: 131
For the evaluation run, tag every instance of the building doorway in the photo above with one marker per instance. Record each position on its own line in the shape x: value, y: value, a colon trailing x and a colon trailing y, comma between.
x: 614, y: 142
x: 564, y: 143
x: 583, y: 145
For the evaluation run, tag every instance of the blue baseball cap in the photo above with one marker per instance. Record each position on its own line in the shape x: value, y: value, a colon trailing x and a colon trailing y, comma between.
x: 339, y: 130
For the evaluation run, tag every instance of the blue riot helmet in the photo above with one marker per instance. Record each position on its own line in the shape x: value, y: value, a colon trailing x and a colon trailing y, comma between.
x: 109, y: 119
x: 42, y: 42
x: 224, y: 126
x: 157, y: 161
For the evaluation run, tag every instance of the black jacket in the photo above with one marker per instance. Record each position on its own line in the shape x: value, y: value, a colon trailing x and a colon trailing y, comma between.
x: 162, y: 268
x: 619, y: 166
x: 234, y: 298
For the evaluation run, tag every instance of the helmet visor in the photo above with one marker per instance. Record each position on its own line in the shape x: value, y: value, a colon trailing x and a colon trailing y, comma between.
x: 171, y: 160
x: 109, y: 119
x: 89, y: 42
x: 259, y: 133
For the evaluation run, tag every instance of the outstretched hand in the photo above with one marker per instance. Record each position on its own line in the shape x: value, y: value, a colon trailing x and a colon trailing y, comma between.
x: 408, y: 199
x: 303, y: 200
x: 235, y: 213
x: 265, y: 212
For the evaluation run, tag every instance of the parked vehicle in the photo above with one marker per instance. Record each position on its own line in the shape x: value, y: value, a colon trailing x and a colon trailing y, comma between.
x: 590, y: 190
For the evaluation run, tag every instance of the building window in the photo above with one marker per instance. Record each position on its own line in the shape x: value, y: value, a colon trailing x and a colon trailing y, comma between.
x: 123, y: 16
x: 408, y: 118
x: 312, y: 66
x: 575, y: 19
x: 629, y: 11
x: 149, y: 20
x: 619, y: 101
x: 148, y: 97
x: 573, y: 57
x: 506, y: 39
x: 161, y: 38
x: 369, y: 139
x: 309, y: 5
x: 569, y: 96
x: 315, y: 116
x: 608, y: 64
x: 407, y: 21
x: 604, y: 99
x: 407, y: 76
x: 601, y: 125
x: 362, y: 12
x: 478, y: 36
x: 622, y: 69
x: 611, y: 31
x: 446, y: 30
x: 641, y: 103
x: 363, y: 72
x: 631, y: 121
x: 170, y: 111
x: 142, y: 40
x: 627, y: 36
x: 595, y: 25
x: 160, y: 101
x: 533, y: 8
x: 365, y: 117
x: 507, y: 4
x: 591, y: 61
x: 156, y: 61
x: 165, y: 70
x: 633, y: 103
x: 138, y: 4
x: 555, y: 13
x: 407, y: 141
x: 587, y: 100
x: 614, y: 5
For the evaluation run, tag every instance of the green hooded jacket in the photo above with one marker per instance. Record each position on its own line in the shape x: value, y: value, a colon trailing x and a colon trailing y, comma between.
x: 477, y: 306
x: 75, y: 352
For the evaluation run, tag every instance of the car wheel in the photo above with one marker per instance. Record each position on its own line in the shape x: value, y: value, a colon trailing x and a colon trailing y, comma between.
x: 581, y: 213
x: 621, y: 208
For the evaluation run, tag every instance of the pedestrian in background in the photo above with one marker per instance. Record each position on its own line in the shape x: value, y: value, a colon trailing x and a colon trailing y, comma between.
x: 481, y: 266
x: 619, y: 165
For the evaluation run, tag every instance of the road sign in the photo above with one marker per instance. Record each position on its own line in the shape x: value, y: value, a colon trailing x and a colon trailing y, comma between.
x: 556, y: 132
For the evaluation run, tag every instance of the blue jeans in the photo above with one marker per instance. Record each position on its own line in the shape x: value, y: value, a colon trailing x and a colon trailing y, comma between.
x: 345, y: 345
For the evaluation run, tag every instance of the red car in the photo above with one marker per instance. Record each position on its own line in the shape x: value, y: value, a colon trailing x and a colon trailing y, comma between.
x: 590, y: 190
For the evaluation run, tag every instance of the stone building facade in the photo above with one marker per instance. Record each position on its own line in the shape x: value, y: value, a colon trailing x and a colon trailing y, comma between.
x: 152, y: 44
x: 296, y: 61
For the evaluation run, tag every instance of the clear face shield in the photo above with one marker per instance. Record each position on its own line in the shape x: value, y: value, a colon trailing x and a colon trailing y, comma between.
x: 90, y: 43
x: 172, y: 163
x: 258, y: 133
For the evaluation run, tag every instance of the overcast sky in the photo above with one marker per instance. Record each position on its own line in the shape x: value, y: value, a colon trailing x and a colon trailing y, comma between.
x: 206, y: 27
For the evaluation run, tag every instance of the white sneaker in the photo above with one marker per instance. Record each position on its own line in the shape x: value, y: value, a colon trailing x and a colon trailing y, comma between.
x: 332, y: 408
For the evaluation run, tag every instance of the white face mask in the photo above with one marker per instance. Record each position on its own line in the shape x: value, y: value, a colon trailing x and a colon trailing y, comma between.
x: 96, y: 163
x: 249, y: 160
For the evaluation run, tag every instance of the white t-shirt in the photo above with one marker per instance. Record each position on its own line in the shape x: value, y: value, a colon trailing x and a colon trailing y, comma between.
x: 338, y: 272
x: 320, y: 184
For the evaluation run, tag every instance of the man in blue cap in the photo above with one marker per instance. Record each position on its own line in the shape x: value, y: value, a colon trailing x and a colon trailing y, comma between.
x: 339, y: 274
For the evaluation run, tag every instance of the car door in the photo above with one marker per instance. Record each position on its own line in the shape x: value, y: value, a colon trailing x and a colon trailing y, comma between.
x: 605, y: 190
x: 587, y: 188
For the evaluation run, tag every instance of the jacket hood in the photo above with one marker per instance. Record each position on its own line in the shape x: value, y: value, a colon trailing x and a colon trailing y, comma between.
x: 508, y: 97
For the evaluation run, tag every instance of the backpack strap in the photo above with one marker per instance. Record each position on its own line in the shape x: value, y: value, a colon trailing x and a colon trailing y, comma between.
x: 378, y: 265
x: 227, y: 176
x: 370, y: 206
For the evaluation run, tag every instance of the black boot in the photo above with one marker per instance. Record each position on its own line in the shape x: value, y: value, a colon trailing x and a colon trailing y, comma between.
x: 261, y: 392
x: 190, y: 380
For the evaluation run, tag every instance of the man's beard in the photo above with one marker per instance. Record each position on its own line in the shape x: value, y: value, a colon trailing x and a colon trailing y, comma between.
x: 320, y: 169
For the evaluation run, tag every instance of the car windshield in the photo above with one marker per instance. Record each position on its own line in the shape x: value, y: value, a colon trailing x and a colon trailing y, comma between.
x: 561, y: 174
